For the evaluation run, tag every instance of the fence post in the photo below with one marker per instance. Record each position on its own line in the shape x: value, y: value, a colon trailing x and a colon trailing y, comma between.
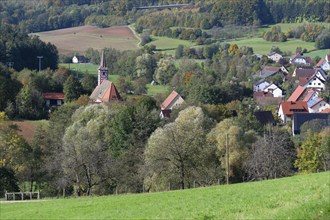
x: 194, y: 183
x: 38, y: 194
x: 22, y: 196
x: 30, y: 195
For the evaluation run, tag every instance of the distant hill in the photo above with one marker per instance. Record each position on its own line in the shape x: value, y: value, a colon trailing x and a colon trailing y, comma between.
x: 298, y: 197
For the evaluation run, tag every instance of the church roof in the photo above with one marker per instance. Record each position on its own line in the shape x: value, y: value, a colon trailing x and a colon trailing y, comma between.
x: 105, y: 92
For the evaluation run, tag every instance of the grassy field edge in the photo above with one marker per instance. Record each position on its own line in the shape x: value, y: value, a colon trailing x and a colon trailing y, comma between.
x: 298, y: 197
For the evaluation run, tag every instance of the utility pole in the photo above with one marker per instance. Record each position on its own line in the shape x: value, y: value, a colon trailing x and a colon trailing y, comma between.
x: 227, y: 159
x: 40, y: 57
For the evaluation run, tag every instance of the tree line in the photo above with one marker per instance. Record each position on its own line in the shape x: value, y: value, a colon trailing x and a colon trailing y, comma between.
x: 125, y: 148
x: 42, y: 15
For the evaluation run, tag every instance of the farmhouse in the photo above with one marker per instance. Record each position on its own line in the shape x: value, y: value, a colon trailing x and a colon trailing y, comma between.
x: 53, y: 98
x: 299, y: 59
x: 174, y: 100
x: 79, y: 59
x: 287, y: 109
x: 275, y: 57
x: 324, y: 63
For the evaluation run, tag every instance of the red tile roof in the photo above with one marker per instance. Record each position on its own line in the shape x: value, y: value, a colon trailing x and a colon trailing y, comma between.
x: 105, y: 92
x: 169, y: 100
x: 320, y: 62
x: 295, y: 56
x: 289, y: 108
x: 53, y: 95
x: 327, y: 110
x: 296, y: 94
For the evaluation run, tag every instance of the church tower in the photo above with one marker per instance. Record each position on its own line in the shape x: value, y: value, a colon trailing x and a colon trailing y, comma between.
x: 103, y: 70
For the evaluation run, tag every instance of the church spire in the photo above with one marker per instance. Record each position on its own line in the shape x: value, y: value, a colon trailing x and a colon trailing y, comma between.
x: 103, y: 61
x: 103, y: 69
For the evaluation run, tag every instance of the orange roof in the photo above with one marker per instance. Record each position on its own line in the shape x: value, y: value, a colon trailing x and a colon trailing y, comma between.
x: 296, y: 94
x: 289, y: 108
x: 320, y: 62
x: 53, y: 95
x: 105, y: 92
x: 327, y: 110
x: 169, y: 100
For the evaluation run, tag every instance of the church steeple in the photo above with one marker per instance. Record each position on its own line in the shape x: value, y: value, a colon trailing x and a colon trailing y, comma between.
x: 103, y: 69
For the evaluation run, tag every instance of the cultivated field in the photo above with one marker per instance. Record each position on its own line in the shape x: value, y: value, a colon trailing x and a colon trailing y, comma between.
x: 77, y: 39
x: 299, y: 197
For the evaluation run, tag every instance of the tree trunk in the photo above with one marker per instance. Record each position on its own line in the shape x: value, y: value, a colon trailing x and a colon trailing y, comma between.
x: 182, y: 175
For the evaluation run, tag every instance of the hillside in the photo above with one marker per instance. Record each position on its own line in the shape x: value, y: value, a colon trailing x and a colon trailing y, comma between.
x: 298, y: 197
x: 78, y: 39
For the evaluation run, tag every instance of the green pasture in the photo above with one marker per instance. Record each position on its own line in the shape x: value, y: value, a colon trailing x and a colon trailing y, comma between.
x: 298, y: 197
x: 320, y: 53
x: 88, y: 68
x: 167, y: 44
x: 157, y: 89
x: 260, y: 46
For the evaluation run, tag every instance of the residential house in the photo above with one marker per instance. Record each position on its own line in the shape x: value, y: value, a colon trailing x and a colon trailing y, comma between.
x: 308, y: 71
x: 274, y: 90
x: 268, y: 71
x: 287, y: 109
x: 299, y: 59
x: 324, y: 63
x: 300, y: 118
x: 174, y: 100
x: 53, y: 98
x: 260, y: 86
x: 275, y: 57
x: 264, y: 99
x: 79, y: 59
x: 311, y: 96
x: 314, y: 82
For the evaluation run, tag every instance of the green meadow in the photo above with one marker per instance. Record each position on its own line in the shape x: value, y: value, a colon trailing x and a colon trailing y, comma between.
x: 157, y: 89
x: 260, y: 46
x: 167, y: 44
x: 298, y: 197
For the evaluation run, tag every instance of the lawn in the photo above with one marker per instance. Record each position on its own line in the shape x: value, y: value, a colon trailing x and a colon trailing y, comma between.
x: 299, y: 197
x: 157, y: 89
x: 88, y: 68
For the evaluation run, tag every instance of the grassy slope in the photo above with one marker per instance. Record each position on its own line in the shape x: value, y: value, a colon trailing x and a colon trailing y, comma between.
x: 157, y: 89
x: 167, y: 44
x: 299, y: 197
x: 261, y: 46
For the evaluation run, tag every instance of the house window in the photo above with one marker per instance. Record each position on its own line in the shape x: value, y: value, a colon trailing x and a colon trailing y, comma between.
x: 319, y: 84
x: 310, y: 83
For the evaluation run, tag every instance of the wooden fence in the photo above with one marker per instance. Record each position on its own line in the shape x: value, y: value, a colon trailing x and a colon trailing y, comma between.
x: 20, y: 195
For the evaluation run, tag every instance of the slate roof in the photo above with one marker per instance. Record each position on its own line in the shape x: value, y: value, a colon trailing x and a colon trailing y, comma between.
x: 53, y: 95
x: 269, y: 71
x: 265, y: 117
x: 300, y: 118
x: 105, y: 92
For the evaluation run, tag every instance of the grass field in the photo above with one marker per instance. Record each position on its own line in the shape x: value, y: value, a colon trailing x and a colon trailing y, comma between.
x: 168, y: 45
x: 260, y: 46
x: 299, y: 197
x: 157, y: 89
x: 78, y: 39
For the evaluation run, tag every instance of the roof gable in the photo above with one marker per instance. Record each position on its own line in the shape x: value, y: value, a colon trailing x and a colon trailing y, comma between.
x: 289, y: 108
x: 170, y: 100
x: 105, y: 92
x: 296, y: 94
